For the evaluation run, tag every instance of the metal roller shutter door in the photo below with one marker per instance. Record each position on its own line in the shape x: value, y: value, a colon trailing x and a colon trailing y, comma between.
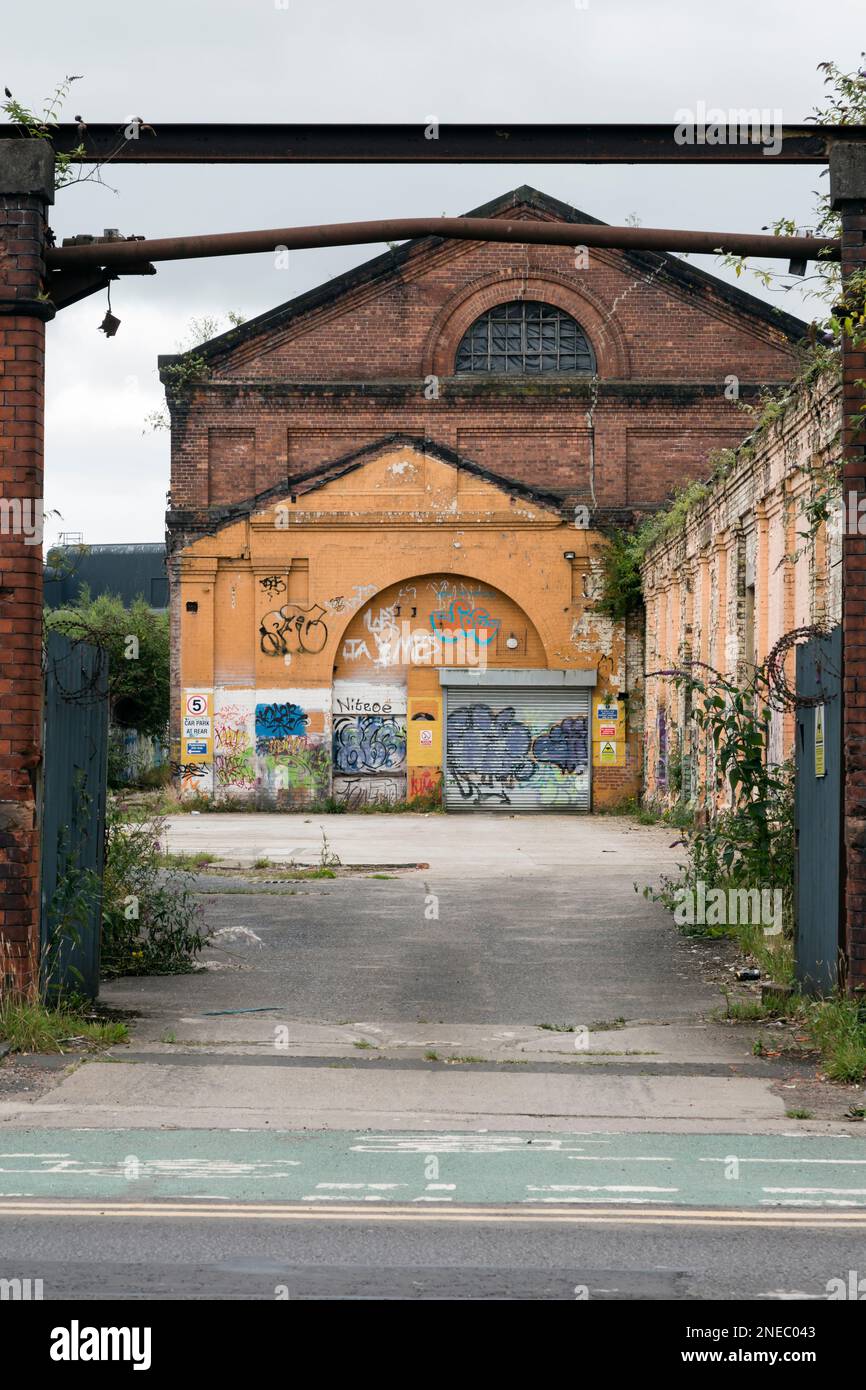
x: 517, y: 749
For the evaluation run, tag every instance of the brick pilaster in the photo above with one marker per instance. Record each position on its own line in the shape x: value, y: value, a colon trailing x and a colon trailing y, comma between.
x: 26, y: 187
x: 848, y: 193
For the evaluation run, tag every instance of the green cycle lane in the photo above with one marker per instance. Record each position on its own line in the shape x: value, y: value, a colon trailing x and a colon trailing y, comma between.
x: 328, y: 1167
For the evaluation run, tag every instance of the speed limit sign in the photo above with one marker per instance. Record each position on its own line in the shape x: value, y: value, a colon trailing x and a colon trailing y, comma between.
x: 197, y: 704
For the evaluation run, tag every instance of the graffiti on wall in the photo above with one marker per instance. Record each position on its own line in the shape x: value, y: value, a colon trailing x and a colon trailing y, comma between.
x: 189, y: 774
x: 369, y: 743
x: 265, y: 748
x: 292, y: 630
x: 234, y: 761
x: 403, y: 631
x: 296, y: 770
x: 357, y: 792
x: 280, y: 720
x: 566, y: 745
x: 273, y: 584
x: 424, y: 781
x: 461, y: 616
x: 490, y: 753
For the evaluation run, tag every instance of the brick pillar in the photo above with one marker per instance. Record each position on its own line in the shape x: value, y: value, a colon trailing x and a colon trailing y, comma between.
x: 26, y: 187
x: 848, y: 194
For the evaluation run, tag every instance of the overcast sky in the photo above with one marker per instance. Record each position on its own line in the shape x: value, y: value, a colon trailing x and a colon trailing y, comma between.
x: 368, y: 60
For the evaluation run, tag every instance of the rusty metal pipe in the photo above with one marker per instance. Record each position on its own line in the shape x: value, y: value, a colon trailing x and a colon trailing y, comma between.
x: 116, y: 254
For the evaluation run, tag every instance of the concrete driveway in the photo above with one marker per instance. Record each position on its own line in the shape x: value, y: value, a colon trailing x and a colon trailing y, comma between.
x: 517, y: 981
x: 481, y: 846
x: 516, y: 920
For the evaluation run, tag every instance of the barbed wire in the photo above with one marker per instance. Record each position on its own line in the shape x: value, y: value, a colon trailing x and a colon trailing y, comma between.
x: 785, y: 696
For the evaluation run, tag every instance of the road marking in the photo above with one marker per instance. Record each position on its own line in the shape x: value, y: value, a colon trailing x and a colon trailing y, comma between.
x: 586, y: 1215
x: 833, y: 1162
x: 598, y: 1187
x: 819, y: 1191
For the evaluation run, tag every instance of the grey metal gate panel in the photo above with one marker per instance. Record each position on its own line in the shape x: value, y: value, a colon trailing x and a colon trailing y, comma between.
x: 73, y: 813
x: 517, y: 749
x: 818, y: 815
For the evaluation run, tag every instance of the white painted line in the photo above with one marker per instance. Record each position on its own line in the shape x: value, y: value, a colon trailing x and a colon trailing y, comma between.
x: 613, y: 1200
x: 623, y: 1158
x: 807, y: 1202
x: 820, y: 1191
x: 833, y: 1162
x: 603, y: 1187
x: 362, y: 1186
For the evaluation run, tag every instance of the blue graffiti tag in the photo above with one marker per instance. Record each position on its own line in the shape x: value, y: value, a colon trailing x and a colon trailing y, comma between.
x: 565, y: 744
x: 462, y: 616
x: 280, y: 721
x: 370, y: 743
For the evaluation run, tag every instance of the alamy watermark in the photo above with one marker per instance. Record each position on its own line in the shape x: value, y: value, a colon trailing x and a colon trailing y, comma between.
x: 22, y: 516
x: 733, y: 127
x: 729, y: 907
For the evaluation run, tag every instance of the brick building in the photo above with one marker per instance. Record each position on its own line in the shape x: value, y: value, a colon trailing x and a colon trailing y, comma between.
x: 745, y: 567
x: 439, y: 436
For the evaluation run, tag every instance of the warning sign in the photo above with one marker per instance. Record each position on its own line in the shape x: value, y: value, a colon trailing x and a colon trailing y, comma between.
x: 607, y: 753
x: 607, y: 731
x: 820, y: 756
x: 608, y: 712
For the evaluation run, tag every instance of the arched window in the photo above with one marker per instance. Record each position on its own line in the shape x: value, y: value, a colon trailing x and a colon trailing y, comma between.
x: 525, y: 336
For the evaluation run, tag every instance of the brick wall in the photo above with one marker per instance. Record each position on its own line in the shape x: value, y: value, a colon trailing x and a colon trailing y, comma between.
x: 353, y: 362
x: 750, y: 528
x: 22, y: 345
x: 848, y: 191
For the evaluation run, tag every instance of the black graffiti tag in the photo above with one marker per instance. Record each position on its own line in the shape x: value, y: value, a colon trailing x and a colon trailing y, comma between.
x: 293, y: 630
x: 273, y: 584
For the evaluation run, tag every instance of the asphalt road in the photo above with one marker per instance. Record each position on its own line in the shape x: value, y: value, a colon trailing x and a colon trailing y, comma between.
x: 507, y: 950
x: 378, y: 1256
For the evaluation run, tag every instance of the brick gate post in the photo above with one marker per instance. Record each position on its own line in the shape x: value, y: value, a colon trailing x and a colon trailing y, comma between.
x: 848, y: 195
x: 26, y: 187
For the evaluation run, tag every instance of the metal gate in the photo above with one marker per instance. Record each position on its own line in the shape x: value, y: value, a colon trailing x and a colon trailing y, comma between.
x: 818, y: 812
x: 517, y: 747
x: 73, y: 813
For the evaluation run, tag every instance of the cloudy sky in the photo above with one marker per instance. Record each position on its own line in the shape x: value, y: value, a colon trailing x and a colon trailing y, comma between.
x: 367, y: 60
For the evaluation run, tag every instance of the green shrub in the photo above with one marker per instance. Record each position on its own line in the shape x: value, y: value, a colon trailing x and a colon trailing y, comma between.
x: 151, y: 924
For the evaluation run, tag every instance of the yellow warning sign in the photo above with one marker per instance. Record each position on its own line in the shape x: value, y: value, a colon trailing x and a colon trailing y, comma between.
x: 607, y: 753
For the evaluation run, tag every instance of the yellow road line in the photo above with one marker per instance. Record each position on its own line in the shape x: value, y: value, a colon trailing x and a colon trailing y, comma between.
x: 384, y: 1212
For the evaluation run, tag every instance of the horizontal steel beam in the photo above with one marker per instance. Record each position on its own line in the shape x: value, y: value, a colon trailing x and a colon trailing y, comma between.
x: 159, y: 143
x: 117, y: 254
